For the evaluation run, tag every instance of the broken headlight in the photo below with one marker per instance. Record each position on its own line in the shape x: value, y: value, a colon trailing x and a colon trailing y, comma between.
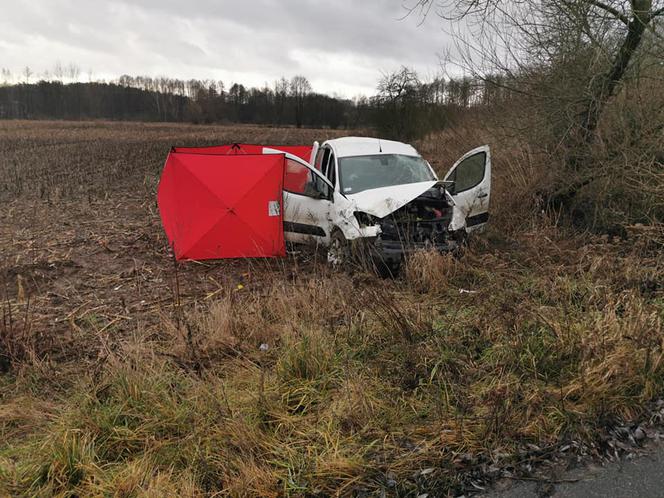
x: 365, y: 219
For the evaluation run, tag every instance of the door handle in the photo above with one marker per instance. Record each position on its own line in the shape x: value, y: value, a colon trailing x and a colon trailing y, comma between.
x: 482, y: 195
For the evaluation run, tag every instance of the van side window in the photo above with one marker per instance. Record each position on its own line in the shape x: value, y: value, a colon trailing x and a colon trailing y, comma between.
x: 321, y: 159
x: 469, y: 173
x: 299, y: 179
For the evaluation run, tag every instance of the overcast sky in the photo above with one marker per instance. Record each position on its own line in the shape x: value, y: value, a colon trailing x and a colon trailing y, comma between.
x: 340, y: 45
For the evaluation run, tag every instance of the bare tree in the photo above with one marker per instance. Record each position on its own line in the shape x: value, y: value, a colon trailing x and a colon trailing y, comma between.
x: 565, y: 69
x: 73, y: 72
x: 521, y: 37
x: 397, y: 102
x: 59, y: 71
x: 6, y: 76
x: 280, y: 96
x: 635, y: 15
x: 393, y: 86
x: 27, y: 72
x: 299, y: 89
x: 408, y: 108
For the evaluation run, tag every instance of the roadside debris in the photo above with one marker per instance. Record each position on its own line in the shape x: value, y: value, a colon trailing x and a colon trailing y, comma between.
x: 545, y: 464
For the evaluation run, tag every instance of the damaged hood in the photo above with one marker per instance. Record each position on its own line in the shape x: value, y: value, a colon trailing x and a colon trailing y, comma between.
x: 382, y: 201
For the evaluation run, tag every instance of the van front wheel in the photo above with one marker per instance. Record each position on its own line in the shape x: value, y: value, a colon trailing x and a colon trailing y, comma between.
x: 338, y: 253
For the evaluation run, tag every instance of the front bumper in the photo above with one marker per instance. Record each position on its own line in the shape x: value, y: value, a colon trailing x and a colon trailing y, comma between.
x: 393, y: 251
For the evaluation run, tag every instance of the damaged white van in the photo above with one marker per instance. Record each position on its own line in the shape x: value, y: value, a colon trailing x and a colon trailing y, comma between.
x: 381, y: 197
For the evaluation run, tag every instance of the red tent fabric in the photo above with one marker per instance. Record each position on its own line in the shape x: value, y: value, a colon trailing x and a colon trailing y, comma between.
x: 222, y: 206
x: 301, y: 151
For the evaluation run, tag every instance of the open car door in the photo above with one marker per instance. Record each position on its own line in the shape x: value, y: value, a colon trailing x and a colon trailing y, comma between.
x: 307, y: 198
x: 471, y: 189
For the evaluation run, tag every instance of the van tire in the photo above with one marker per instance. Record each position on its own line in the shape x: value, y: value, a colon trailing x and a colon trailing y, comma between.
x: 338, y: 252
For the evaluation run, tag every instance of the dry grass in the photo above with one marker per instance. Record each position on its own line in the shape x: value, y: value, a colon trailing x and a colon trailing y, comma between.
x: 536, y: 335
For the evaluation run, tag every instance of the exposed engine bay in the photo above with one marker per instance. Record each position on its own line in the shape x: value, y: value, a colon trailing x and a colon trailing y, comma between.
x: 422, y: 222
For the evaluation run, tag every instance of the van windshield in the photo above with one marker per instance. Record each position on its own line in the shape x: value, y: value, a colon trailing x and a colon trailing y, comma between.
x: 360, y: 173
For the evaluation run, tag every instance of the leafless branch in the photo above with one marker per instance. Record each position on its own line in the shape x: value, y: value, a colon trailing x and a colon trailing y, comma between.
x: 611, y: 10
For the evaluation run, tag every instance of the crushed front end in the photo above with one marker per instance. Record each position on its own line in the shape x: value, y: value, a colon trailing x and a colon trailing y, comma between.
x: 423, y: 223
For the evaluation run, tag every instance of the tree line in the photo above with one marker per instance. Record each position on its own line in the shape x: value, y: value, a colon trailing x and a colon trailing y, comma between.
x: 404, y: 105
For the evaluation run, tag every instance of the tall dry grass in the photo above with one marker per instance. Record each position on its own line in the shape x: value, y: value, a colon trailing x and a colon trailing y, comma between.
x: 363, y: 384
x: 317, y: 382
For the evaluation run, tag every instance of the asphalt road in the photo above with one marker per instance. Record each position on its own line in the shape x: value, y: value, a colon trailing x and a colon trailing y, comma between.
x: 641, y: 477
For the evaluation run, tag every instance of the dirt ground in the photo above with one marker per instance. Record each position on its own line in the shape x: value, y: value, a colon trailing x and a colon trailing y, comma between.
x: 81, y: 240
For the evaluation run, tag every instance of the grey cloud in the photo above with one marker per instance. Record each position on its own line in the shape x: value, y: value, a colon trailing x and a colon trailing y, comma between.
x: 340, y: 46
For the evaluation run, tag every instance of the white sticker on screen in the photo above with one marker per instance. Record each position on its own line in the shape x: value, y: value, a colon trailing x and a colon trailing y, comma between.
x: 273, y: 208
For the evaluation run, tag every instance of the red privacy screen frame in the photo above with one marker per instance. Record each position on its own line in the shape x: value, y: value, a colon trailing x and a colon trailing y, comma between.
x: 222, y: 205
x: 301, y: 151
